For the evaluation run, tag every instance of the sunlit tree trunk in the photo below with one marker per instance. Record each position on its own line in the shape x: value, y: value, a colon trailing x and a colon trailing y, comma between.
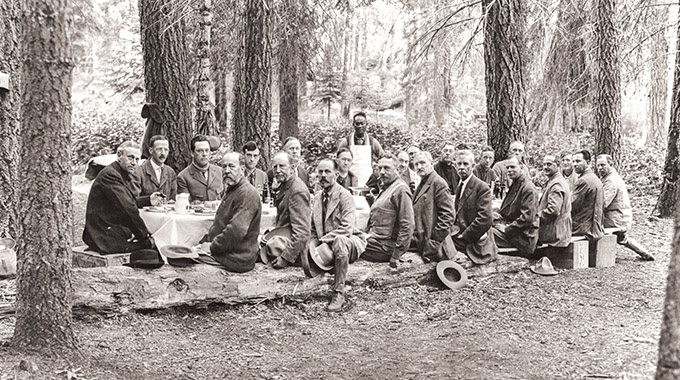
x: 289, y: 60
x: 166, y: 73
x: 659, y: 75
x: 345, y: 104
x: 608, y: 89
x: 10, y: 116
x: 205, y: 110
x: 666, y: 204
x: 505, y: 88
x: 442, y: 80
x: 251, y: 116
x: 44, y: 288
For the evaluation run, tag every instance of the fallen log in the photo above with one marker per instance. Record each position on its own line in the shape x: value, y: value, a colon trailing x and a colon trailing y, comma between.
x: 120, y: 290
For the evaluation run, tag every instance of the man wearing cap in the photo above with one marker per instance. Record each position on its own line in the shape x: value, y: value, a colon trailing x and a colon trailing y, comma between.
x: 390, y: 222
x: 292, y: 209
x: 518, y: 227
x: 567, y: 169
x: 587, y: 198
x: 365, y: 148
x: 554, y: 209
x: 500, y: 168
x: 473, y: 213
x: 432, y: 211
x: 345, y: 176
x: 232, y: 239
x: 483, y: 169
x: 618, y: 212
x: 201, y: 179
x: 446, y: 169
x: 112, y: 221
x: 255, y: 176
x: 333, y: 221
x: 154, y: 175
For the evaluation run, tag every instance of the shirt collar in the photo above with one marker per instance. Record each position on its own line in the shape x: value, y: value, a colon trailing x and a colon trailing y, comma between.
x: 154, y: 166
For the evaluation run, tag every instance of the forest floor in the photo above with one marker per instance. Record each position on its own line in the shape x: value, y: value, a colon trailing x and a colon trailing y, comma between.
x: 580, y: 324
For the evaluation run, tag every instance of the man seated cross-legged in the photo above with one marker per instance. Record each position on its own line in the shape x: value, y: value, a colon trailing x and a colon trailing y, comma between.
x: 333, y: 223
x: 518, y: 227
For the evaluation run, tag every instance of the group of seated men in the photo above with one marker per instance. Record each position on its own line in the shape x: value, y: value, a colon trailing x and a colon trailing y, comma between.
x: 437, y: 208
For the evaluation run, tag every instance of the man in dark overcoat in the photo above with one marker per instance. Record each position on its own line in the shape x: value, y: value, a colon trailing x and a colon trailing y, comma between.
x: 112, y: 221
x: 518, y: 227
x: 474, y: 216
x: 587, y: 199
x: 201, y: 179
x: 432, y: 211
x: 233, y: 235
x: 154, y: 175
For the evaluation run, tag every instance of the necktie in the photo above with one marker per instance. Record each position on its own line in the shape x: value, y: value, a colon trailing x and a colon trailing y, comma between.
x: 459, y: 189
x: 324, y: 203
x: 251, y: 178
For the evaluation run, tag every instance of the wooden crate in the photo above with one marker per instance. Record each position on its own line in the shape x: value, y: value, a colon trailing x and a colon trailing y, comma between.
x: 84, y: 258
x: 574, y: 256
x: 604, y: 253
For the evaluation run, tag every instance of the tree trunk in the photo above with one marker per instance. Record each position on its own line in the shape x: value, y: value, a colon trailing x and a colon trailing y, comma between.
x: 442, y: 80
x: 166, y: 73
x: 10, y: 117
x: 658, y: 89
x: 44, y: 289
x: 666, y: 204
x: 503, y: 49
x: 345, y: 104
x: 668, y: 366
x: 608, y: 90
x: 289, y: 57
x: 251, y: 116
x: 206, y: 124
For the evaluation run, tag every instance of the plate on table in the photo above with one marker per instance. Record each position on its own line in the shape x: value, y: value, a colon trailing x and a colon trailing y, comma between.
x: 154, y: 209
x: 204, y: 213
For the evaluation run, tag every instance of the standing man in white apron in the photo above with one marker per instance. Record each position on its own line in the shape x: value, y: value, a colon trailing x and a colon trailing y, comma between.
x: 365, y: 148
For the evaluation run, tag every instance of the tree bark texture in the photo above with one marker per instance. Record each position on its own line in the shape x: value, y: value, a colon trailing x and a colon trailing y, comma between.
x: 120, y: 290
x: 442, y: 80
x: 667, y: 202
x: 166, y: 73
x: 205, y: 110
x: 289, y: 62
x: 10, y: 116
x: 44, y: 288
x: 504, y: 77
x: 608, y: 89
x: 251, y: 116
x: 658, y: 81
x: 345, y: 104
x: 668, y: 366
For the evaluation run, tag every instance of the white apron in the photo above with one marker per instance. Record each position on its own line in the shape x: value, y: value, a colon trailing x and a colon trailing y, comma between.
x: 362, y: 163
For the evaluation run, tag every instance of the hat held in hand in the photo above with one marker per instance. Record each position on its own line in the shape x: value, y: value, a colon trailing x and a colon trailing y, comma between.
x: 544, y: 267
x: 274, y: 242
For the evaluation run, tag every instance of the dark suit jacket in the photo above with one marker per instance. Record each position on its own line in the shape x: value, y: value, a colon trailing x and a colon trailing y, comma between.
x: 150, y: 184
x: 112, y: 216
x: 434, y: 216
x: 474, y: 218
x: 293, y: 210
x: 190, y: 180
x: 520, y: 211
x: 349, y: 181
x: 236, y: 226
x: 554, y: 212
x: 587, y: 203
x: 450, y: 175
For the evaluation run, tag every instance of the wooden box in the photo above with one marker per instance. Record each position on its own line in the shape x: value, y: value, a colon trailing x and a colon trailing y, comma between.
x: 84, y: 258
x: 604, y: 254
x: 575, y: 256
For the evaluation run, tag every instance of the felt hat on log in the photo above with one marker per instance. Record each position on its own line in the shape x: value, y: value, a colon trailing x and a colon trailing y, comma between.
x: 451, y: 274
x: 544, y: 267
x: 145, y: 259
x: 274, y: 242
x: 179, y: 255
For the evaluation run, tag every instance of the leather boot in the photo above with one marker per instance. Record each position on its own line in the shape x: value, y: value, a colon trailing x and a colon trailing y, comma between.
x: 639, y: 249
x: 337, y: 302
x: 341, y: 266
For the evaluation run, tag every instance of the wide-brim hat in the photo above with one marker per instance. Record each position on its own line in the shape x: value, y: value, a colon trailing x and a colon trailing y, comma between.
x: 452, y: 274
x: 145, y: 259
x: 274, y: 242
x: 321, y: 254
x: 544, y: 267
x: 178, y: 252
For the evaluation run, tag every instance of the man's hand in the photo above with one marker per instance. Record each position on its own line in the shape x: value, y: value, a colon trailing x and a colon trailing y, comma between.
x: 205, y: 247
x: 157, y: 198
x: 280, y: 263
x: 393, y: 263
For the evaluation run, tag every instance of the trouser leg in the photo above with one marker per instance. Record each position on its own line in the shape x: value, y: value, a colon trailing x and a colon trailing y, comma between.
x: 634, y: 246
x: 341, y: 248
